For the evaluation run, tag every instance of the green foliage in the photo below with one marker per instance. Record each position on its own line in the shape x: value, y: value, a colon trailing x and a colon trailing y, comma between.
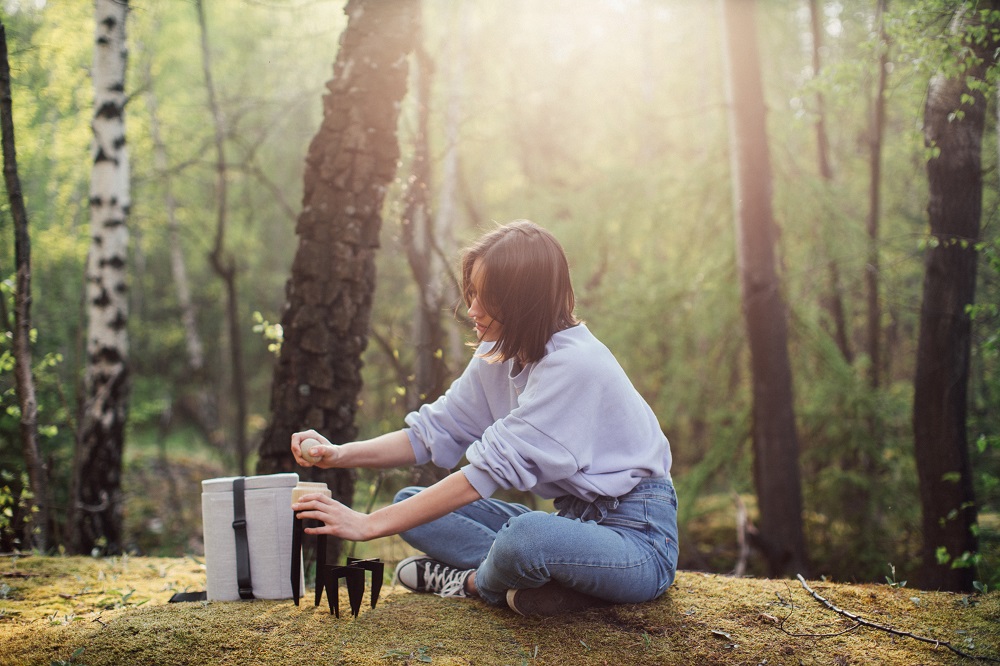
x: 73, y: 659
x: 16, y: 494
x: 15, y: 498
x: 272, y: 333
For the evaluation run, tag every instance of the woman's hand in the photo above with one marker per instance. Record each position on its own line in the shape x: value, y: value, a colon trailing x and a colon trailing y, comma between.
x: 313, y: 449
x: 338, y: 520
x: 392, y: 449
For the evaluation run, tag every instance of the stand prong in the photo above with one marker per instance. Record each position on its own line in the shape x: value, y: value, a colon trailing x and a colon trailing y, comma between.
x: 377, y: 569
x: 320, y: 567
x: 296, y: 559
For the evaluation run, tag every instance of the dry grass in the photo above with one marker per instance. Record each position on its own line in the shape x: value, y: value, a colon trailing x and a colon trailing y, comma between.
x: 115, y: 611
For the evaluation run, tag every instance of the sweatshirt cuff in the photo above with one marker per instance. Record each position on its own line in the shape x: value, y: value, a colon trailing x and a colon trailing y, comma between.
x: 420, y: 452
x: 484, y: 484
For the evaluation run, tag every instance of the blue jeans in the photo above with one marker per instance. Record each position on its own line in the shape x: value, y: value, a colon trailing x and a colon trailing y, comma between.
x: 623, y: 550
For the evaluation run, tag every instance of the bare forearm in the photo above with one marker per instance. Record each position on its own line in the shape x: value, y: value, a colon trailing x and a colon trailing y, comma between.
x: 392, y: 449
x: 389, y: 450
x: 445, y: 496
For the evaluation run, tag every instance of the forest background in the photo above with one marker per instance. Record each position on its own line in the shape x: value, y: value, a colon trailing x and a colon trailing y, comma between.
x: 603, y: 120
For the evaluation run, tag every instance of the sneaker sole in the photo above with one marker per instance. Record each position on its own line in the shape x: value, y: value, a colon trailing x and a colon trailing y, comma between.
x: 551, y: 599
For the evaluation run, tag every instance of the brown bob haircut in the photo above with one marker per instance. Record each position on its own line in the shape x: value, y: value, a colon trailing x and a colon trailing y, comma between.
x: 525, y: 287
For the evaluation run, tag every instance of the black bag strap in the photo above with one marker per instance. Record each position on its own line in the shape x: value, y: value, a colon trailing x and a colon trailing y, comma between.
x: 243, y: 579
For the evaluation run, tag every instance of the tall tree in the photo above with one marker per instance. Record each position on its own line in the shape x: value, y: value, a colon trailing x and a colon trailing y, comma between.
x: 875, y: 129
x: 775, y: 440
x: 223, y: 263
x: 427, y: 232
x: 954, y: 117
x: 96, y: 512
x: 424, y: 382
x: 199, y: 403
x: 37, y: 532
x: 351, y: 161
x: 422, y: 253
x: 835, y: 300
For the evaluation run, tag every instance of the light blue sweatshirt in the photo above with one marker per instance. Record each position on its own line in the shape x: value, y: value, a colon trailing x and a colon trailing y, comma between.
x: 568, y: 424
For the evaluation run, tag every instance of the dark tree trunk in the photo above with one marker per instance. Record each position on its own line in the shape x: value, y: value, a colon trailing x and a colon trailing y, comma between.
x: 37, y: 530
x: 351, y: 161
x: 942, y: 374
x: 775, y: 441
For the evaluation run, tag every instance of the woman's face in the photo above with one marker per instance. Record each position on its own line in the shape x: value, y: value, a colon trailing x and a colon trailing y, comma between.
x: 488, y: 329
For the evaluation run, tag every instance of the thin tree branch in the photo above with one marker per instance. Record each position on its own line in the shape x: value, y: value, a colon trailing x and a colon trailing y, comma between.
x: 895, y: 632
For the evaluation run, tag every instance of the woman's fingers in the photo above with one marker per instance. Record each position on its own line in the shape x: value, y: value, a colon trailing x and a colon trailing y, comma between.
x: 313, y: 450
x: 314, y: 501
x: 337, y: 519
x: 302, y: 445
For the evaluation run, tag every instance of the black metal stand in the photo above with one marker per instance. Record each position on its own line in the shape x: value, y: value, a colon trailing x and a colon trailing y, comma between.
x: 328, y: 575
x: 354, y: 575
x: 297, y: 531
x: 320, y: 567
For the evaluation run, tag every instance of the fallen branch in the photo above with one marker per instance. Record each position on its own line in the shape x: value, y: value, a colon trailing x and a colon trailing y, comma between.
x: 895, y: 632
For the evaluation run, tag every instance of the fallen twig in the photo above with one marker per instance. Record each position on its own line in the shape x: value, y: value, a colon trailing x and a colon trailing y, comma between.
x: 895, y: 632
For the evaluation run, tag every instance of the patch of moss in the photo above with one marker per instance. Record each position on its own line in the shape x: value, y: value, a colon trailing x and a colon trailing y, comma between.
x: 704, y: 619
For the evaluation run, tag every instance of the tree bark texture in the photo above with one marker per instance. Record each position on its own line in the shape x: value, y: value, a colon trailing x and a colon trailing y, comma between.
x: 940, y: 407
x: 351, y: 161
x: 97, y: 498
x: 775, y: 441
x: 36, y: 531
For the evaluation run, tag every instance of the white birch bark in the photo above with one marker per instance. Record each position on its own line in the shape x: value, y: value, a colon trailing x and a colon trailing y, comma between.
x: 97, y: 474
x: 107, y: 293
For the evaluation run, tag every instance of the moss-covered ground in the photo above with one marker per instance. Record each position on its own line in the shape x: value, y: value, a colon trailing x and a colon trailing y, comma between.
x: 93, y: 611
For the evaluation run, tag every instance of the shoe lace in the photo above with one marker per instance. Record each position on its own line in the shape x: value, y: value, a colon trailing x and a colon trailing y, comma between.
x: 449, y: 582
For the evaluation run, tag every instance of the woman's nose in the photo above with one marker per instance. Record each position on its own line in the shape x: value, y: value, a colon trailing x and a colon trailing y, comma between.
x: 474, y: 310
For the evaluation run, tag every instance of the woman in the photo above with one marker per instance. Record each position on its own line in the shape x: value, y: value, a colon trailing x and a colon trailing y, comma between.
x: 543, y: 406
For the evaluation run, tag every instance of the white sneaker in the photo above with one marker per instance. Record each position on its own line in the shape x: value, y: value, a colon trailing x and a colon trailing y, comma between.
x: 423, y: 574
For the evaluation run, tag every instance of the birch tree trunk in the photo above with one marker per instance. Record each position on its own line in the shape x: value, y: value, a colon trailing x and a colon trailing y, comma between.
x: 351, y: 161
x: 96, y: 512
x: 775, y: 441
x: 954, y: 118
x: 36, y: 534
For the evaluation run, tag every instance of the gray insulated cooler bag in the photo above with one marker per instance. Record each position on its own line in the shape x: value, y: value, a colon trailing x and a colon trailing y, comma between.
x: 248, y: 523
